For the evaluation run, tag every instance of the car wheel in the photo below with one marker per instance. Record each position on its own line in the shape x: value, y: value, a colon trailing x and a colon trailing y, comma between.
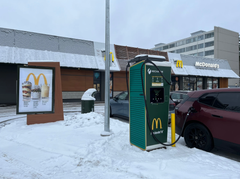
x: 111, y: 112
x: 196, y: 135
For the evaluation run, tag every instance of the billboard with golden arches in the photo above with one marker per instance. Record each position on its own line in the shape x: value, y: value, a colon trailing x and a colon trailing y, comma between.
x: 35, y: 90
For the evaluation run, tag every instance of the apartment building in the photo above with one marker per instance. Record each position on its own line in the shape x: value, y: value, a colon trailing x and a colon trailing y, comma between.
x: 218, y: 43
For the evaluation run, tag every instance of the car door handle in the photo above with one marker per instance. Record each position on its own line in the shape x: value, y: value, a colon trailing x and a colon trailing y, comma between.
x: 216, y: 116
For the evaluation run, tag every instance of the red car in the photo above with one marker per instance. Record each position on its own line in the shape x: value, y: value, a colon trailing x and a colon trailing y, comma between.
x: 213, y: 120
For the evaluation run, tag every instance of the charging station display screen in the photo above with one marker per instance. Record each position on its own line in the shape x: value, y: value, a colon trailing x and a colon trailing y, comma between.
x: 156, y: 95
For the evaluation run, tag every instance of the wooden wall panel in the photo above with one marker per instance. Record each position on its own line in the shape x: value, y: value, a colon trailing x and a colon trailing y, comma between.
x: 223, y: 83
x: 89, y: 82
x: 119, y: 81
x: 76, y: 80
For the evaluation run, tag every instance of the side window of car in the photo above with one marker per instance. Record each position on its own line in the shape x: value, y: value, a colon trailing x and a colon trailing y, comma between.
x: 176, y: 96
x: 208, y: 99
x: 122, y: 96
x: 228, y: 101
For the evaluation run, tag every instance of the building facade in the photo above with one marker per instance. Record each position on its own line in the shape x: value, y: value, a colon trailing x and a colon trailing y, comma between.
x: 83, y: 66
x: 82, y: 62
x: 218, y: 43
x: 196, y: 73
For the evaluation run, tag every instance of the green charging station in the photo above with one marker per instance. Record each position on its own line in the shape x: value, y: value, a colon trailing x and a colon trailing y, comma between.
x: 157, y: 100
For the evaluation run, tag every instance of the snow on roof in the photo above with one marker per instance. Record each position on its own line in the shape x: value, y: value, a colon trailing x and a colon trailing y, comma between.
x: 151, y: 56
x: 23, y: 56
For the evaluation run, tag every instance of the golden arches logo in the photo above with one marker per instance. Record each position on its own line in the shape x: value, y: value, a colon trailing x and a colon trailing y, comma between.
x: 156, y: 121
x: 36, y: 80
x: 110, y: 54
x: 179, y: 63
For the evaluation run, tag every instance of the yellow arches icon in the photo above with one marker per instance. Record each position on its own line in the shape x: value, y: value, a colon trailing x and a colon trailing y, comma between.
x: 156, y: 121
x: 110, y: 54
x: 179, y: 63
x: 36, y: 80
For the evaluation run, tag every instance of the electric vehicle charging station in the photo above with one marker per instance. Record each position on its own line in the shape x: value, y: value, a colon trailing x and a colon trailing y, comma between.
x: 149, y: 101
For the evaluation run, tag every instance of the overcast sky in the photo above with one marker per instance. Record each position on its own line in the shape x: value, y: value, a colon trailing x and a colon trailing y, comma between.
x: 134, y: 23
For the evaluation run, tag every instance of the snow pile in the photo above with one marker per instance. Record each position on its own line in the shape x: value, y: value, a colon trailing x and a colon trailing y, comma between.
x: 73, y: 148
x: 84, y: 120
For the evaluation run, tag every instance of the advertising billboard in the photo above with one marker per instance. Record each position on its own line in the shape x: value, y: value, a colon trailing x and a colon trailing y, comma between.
x: 35, y: 90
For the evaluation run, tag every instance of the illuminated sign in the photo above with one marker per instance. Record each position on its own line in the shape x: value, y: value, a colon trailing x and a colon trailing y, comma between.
x: 207, y: 65
x: 35, y: 94
x: 156, y: 122
x: 179, y: 64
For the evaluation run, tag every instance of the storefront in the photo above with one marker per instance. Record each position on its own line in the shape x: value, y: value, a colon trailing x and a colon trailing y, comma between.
x: 197, y: 73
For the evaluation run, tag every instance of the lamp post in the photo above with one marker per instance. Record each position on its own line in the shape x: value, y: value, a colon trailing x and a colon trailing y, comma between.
x: 107, y: 131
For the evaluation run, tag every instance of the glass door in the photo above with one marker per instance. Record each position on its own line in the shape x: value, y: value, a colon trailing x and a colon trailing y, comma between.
x: 97, y: 85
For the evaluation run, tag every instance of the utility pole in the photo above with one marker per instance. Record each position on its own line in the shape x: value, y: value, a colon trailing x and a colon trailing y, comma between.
x: 107, y: 131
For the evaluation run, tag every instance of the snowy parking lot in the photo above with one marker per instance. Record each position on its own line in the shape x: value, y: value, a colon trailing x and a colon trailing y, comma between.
x: 74, y: 148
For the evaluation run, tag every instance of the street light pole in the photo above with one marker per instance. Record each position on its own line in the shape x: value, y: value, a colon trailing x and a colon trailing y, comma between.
x: 106, y: 131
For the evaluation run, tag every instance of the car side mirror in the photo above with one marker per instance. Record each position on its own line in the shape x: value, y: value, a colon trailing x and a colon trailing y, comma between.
x: 196, y: 106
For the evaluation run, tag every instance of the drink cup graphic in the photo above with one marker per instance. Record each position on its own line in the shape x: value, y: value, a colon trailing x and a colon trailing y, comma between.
x: 36, y: 92
x: 45, y: 91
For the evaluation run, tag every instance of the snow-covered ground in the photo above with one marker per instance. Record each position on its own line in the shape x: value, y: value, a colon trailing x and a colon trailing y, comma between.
x: 74, y: 148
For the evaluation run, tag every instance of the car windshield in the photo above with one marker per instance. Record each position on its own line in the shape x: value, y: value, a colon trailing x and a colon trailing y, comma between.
x: 184, y: 96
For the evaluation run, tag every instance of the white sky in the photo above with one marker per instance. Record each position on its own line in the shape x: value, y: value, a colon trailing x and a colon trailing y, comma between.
x: 135, y: 23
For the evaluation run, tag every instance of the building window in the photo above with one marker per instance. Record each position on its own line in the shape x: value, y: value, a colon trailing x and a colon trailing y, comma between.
x: 188, y: 49
x: 209, y: 44
x: 180, y: 50
x: 200, y: 46
x: 209, y: 83
x: 188, y: 41
x: 191, y: 40
x: 186, y: 85
x: 201, y: 37
x: 210, y: 52
x: 182, y: 42
x: 171, y: 45
x: 209, y: 35
x: 192, y: 81
x: 172, y: 51
x: 194, y: 39
x: 199, y: 83
x: 215, y: 83
x: 194, y: 47
x: 175, y: 83
x: 201, y: 54
x: 165, y: 47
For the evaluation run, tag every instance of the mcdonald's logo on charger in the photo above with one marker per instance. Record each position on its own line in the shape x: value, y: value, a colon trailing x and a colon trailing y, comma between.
x: 179, y: 63
x: 156, y: 122
x: 110, y: 54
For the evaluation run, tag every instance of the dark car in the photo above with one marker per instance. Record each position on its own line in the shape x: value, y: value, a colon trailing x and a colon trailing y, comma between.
x: 178, y: 96
x: 213, y: 121
x: 119, y: 106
